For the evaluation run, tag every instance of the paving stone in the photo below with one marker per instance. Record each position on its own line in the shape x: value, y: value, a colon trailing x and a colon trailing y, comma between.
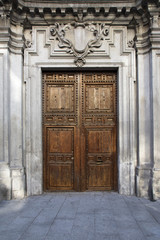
x: 134, y: 236
x: 79, y: 233
x: 56, y: 201
x: 3, y: 227
x: 107, y: 227
x: 30, y: 212
x: 131, y: 234
x: 107, y: 237
x: 150, y: 229
x: 142, y: 215
x: 20, y: 224
x: 38, y: 229
x: 7, y: 235
x: 68, y: 209
x: 46, y: 216
x: 154, y: 212
x: 130, y: 224
x: 152, y: 238
x: 91, y: 235
x: 61, y: 226
x: 84, y: 220
x: 59, y: 236
x: 7, y: 218
x: 33, y: 236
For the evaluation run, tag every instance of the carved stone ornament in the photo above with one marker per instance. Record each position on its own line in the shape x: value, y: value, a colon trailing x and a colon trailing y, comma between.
x: 28, y: 43
x: 81, y: 49
x: 131, y: 43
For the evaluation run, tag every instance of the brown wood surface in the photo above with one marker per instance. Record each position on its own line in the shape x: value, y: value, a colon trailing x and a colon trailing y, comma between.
x: 79, y: 131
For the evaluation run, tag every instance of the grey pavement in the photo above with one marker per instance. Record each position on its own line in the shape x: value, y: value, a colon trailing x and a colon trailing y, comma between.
x: 80, y: 216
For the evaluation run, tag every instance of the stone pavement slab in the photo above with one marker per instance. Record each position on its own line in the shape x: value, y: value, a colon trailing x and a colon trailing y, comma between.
x: 80, y: 216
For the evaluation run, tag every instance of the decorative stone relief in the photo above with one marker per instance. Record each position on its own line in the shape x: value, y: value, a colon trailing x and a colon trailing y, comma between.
x: 28, y: 38
x: 98, y: 31
x: 154, y: 21
x: 131, y: 43
x: 28, y: 43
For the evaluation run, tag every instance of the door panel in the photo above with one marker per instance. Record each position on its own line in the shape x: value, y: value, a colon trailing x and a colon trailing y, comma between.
x: 99, y: 177
x: 79, y: 131
x: 100, y: 164
x: 57, y: 103
x: 100, y: 141
x: 99, y: 98
x: 99, y: 124
x: 60, y: 141
x: 60, y: 155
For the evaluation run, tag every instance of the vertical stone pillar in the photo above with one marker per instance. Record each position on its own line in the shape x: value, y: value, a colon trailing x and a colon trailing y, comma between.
x: 34, y: 163
x: 155, y: 94
x: 5, y: 180
x: 16, y: 112
x: 144, y: 111
x: 148, y: 63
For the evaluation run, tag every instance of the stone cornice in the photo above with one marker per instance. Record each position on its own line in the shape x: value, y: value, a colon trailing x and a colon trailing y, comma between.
x: 63, y: 7
x: 46, y: 11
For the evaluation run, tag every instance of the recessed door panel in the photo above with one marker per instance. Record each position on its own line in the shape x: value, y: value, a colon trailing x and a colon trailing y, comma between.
x: 100, y: 141
x: 99, y: 154
x: 60, y: 140
x: 60, y: 156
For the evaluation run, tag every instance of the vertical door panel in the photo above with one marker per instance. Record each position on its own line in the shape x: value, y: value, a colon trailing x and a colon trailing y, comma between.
x: 59, y: 124
x: 60, y: 155
x: 99, y: 124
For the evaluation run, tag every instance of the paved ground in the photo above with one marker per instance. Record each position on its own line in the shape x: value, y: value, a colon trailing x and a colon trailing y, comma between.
x: 80, y: 216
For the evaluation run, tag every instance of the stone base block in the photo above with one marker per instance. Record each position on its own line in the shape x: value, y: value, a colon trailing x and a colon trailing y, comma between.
x: 5, y: 183
x: 156, y: 184
x: 143, y: 182
x: 126, y: 179
x: 18, y: 183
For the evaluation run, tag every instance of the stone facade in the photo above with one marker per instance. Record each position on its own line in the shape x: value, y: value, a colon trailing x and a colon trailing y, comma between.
x: 59, y: 35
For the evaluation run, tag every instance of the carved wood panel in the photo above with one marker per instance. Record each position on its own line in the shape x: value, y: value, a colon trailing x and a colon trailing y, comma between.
x: 99, y: 123
x: 79, y: 131
x: 60, y: 152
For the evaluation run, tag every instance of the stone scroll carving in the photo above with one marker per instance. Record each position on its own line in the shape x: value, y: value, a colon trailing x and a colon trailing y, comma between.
x: 89, y: 36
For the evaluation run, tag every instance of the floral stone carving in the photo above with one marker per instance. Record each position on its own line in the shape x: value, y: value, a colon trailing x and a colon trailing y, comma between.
x: 62, y: 33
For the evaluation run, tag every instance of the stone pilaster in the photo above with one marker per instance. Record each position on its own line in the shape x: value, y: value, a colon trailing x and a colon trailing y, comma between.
x: 12, y: 175
x: 5, y: 179
x: 144, y: 112
x: 16, y: 111
x: 155, y: 96
x: 148, y: 64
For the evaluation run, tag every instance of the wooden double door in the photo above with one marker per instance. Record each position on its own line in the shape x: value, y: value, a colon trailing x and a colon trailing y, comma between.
x: 79, y: 131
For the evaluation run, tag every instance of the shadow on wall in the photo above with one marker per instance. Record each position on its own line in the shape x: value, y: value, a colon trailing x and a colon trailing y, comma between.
x: 4, y: 192
x: 5, y: 183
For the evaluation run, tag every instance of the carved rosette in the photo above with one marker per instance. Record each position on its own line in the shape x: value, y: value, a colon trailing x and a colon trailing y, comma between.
x: 98, y: 32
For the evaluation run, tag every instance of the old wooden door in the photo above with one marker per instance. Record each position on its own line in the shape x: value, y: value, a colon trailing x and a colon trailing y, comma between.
x: 79, y: 131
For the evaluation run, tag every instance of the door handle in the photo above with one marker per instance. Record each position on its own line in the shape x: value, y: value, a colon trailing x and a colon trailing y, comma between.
x: 99, y: 160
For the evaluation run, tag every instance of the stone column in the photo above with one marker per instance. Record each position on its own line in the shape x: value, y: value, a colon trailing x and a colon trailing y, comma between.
x: 5, y: 180
x: 144, y: 112
x: 16, y: 112
x: 155, y: 95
